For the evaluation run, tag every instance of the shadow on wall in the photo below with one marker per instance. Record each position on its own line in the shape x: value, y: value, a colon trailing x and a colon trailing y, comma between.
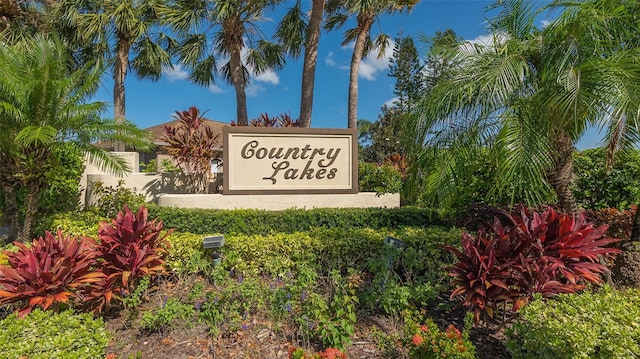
x: 148, y: 184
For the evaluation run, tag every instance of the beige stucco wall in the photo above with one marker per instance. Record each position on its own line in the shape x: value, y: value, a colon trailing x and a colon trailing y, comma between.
x: 279, y: 202
x: 168, y: 190
x: 132, y: 159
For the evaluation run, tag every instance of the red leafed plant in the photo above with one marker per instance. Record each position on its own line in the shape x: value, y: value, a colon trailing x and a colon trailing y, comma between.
x: 131, y: 247
x: 53, y: 270
x: 264, y: 120
x: 329, y: 353
x: 192, y: 146
x: 546, y: 253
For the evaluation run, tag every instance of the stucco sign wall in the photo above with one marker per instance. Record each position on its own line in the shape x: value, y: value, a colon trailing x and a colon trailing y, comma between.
x: 289, y: 160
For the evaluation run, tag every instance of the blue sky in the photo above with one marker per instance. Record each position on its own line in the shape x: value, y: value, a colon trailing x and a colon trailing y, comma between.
x: 150, y: 103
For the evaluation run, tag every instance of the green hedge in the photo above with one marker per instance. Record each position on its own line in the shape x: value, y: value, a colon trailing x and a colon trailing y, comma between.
x: 248, y: 221
x: 46, y: 335
x: 322, y: 248
x: 605, y: 324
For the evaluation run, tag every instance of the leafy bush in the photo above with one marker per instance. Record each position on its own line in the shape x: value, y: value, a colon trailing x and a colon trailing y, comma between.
x: 379, y: 178
x: 109, y: 200
x: 547, y: 253
x: 429, y: 342
x: 62, y: 192
x: 131, y: 248
x: 620, y: 222
x: 192, y: 146
x: 249, y: 222
x: 329, y: 353
x: 602, y: 324
x: 165, y: 316
x: 595, y: 187
x: 52, y: 271
x: 53, y: 336
x: 186, y: 254
x: 75, y: 224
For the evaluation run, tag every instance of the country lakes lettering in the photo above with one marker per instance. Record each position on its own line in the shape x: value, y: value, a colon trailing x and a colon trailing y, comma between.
x: 282, y: 166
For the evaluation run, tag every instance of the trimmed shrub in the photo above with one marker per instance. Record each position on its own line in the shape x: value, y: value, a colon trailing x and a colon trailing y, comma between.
x: 75, y: 224
x: 186, y: 254
x: 603, y: 324
x: 56, y: 336
x: 251, y: 221
x: 595, y: 187
x: 278, y: 254
x: 379, y: 178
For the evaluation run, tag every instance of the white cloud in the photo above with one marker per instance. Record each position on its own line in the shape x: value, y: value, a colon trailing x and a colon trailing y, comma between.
x: 215, y: 88
x: 253, y: 89
x: 390, y: 102
x: 329, y: 60
x: 545, y: 23
x: 483, y: 42
x: 174, y: 73
x: 268, y: 76
x: 371, y: 64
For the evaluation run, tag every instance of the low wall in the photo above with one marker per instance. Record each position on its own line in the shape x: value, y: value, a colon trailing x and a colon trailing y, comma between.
x: 279, y: 202
x: 149, y: 184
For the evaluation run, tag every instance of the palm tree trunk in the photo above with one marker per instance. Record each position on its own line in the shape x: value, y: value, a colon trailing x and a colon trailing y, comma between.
x: 310, y: 60
x: 237, y: 77
x: 119, y: 75
x: 364, y: 25
x: 10, y: 213
x: 561, y: 176
x: 234, y: 30
x: 635, y: 230
x: 33, y: 200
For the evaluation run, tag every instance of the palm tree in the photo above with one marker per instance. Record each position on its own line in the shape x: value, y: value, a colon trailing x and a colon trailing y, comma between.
x: 23, y: 18
x: 366, y: 13
x: 43, y: 107
x: 210, y: 29
x: 528, y: 96
x: 116, y: 29
x: 295, y: 31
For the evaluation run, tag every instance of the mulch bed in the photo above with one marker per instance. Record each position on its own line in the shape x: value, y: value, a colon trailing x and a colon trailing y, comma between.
x: 267, y: 340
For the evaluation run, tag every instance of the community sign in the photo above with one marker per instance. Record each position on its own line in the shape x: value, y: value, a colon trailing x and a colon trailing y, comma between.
x: 264, y: 160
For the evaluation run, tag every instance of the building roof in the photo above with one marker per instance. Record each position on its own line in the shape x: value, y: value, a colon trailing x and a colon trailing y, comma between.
x: 157, y: 131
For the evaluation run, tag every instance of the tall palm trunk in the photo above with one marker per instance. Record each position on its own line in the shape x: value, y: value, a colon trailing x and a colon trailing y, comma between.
x: 364, y: 26
x: 33, y: 199
x: 560, y: 177
x: 119, y: 76
x: 310, y: 60
x: 234, y: 31
x: 10, y: 213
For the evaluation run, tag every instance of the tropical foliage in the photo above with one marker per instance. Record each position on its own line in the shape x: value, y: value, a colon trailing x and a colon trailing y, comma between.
x: 131, y: 247
x: 528, y: 96
x: 53, y: 271
x: 113, y: 31
x: 43, y: 106
x: 191, y: 145
x: 546, y: 253
x: 226, y: 28
x: 366, y: 14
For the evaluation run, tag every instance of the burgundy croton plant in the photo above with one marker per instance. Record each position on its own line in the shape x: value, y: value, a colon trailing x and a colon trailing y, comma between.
x: 54, y: 270
x: 547, y: 253
x: 58, y: 270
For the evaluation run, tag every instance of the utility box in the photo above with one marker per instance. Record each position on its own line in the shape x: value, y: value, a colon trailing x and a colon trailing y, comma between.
x: 213, y: 242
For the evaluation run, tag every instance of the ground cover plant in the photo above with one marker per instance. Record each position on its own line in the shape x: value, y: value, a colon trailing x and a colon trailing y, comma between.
x: 324, y: 292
